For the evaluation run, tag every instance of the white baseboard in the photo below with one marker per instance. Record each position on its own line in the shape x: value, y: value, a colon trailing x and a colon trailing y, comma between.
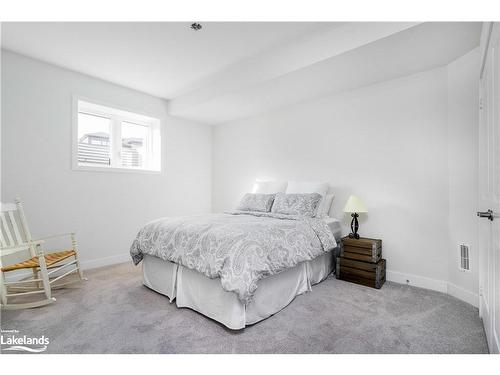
x: 434, y: 284
x: 496, y: 343
x: 463, y: 294
x: 418, y: 281
x: 106, y: 261
x: 394, y: 276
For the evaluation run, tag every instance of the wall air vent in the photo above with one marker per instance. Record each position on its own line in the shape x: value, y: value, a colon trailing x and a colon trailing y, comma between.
x: 464, y: 258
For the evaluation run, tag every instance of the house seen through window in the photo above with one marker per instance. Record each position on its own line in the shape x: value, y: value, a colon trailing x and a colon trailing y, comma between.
x: 112, y: 138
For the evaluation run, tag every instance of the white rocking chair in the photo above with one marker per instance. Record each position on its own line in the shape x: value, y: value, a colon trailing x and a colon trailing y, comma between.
x: 27, y: 253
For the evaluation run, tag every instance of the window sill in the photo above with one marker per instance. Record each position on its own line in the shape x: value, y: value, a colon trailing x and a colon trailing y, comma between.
x: 90, y: 168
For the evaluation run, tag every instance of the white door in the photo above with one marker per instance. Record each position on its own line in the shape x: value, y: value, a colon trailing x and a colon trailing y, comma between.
x: 489, y: 186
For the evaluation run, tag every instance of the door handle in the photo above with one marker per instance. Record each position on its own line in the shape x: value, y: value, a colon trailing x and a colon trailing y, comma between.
x: 487, y: 214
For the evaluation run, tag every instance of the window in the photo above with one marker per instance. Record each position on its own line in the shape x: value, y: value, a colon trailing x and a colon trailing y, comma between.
x: 113, y: 139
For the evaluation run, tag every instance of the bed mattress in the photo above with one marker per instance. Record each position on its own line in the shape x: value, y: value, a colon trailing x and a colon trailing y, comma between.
x: 189, y: 288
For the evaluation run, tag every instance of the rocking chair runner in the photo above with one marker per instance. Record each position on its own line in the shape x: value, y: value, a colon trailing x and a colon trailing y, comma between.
x: 16, y: 239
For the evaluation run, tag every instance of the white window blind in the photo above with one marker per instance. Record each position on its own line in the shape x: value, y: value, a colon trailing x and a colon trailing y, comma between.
x: 93, y: 139
x: 134, y: 152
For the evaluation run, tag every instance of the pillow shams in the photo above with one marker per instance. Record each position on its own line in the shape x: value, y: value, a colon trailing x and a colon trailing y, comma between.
x: 296, y: 204
x: 297, y: 187
x: 270, y: 187
x: 256, y: 202
x: 324, y: 206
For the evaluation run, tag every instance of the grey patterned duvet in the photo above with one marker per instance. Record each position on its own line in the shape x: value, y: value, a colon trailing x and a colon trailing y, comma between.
x: 238, y: 247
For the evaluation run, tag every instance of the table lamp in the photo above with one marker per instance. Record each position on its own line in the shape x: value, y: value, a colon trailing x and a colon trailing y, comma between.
x: 353, y: 206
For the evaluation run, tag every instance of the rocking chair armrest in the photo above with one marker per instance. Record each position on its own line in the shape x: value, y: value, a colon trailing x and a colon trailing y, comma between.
x: 54, y: 236
x: 23, y: 247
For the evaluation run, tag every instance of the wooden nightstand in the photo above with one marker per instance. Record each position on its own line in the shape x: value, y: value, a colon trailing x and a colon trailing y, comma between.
x: 360, y: 261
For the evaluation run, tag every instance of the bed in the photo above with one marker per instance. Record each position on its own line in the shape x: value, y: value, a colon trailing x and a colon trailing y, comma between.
x: 240, y: 267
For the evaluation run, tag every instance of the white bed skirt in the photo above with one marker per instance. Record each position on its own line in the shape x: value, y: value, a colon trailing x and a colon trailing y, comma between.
x: 192, y: 289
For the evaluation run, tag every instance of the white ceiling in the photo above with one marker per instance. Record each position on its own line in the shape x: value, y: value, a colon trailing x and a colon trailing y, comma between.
x: 229, y: 71
x: 160, y: 59
x: 407, y: 50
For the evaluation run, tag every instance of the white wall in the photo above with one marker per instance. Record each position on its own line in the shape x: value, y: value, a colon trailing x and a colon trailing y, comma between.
x: 463, y: 83
x: 106, y: 209
x: 406, y: 146
x: 387, y: 143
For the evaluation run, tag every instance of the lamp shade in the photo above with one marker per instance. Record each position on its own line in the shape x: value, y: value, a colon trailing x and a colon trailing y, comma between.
x: 354, y: 204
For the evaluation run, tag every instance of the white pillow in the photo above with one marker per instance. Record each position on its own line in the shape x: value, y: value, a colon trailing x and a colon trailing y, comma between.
x: 295, y: 187
x: 269, y: 187
x: 307, y: 187
x: 324, y: 207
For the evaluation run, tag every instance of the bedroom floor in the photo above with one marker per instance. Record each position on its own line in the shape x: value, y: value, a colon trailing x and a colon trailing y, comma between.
x: 114, y: 313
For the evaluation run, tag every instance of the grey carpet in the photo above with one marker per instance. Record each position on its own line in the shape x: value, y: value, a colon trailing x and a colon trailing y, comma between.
x: 114, y: 313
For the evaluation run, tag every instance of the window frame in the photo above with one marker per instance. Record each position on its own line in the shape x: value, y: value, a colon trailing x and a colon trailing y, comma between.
x: 117, y: 115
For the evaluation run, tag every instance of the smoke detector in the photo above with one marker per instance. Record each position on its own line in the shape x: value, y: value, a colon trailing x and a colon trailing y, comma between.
x: 196, y: 26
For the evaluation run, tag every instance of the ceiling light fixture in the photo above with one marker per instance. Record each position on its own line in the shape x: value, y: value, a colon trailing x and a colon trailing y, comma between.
x: 196, y: 26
